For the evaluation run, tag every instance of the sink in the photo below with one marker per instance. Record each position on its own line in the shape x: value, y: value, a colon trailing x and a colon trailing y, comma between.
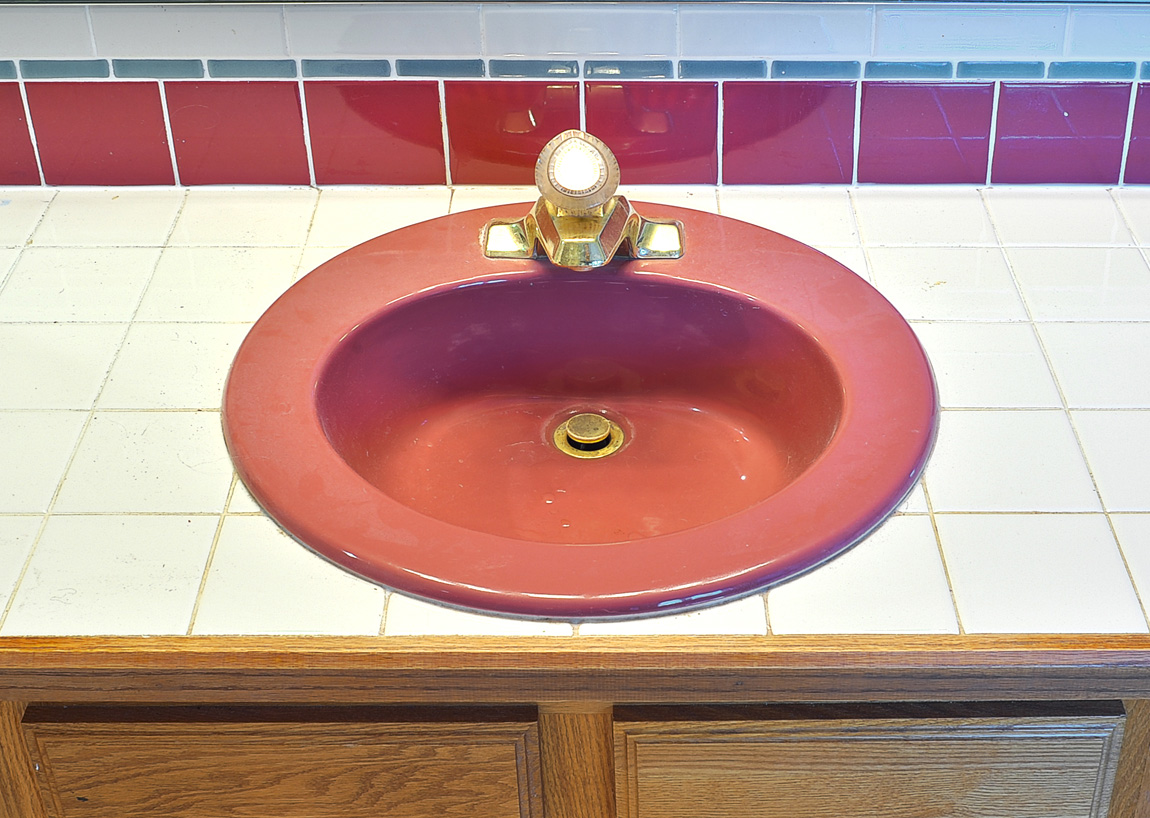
x: 401, y: 411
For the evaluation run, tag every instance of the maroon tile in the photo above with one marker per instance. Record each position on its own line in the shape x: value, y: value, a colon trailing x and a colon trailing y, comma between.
x: 496, y: 129
x: 245, y: 133
x: 661, y: 132
x: 100, y: 133
x: 17, y: 159
x: 375, y: 133
x: 925, y: 133
x: 1060, y: 132
x: 1138, y: 158
x: 785, y: 133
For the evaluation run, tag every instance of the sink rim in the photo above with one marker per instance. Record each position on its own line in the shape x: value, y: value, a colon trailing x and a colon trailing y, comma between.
x: 273, y: 431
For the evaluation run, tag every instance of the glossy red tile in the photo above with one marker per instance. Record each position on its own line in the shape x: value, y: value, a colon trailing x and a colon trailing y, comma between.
x: 246, y: 133
x: 925, y: 133
x: 786, y: 133
x: 100, y: 133
x: 661, y: 132
x: 17, y: 159
x: 1138, y: 158
x: 496, y: 129
x: 1060, y: 132
x: 375, y: 133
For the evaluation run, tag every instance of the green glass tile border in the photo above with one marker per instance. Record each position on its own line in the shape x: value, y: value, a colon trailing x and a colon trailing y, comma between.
x: 64, y: 69
x: 629, y: 69
x: 909, y: 71
x: 974, y: 70
x: 533, y: 68
x: 158, y: 69
x: 445, y: 69
x: 252, y: 69
x: 346, y: 68
x: 723, y: 69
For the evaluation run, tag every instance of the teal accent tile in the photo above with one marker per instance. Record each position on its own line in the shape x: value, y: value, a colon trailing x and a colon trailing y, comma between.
x: 1001, y: 70
x: 7, y: 70
x: 346, y: 68
x: 439, y: 68
x: 629, y: 69
x: 909, y: 70
x: 1092, y: 70
x: 158, y: 69
x: 815, y: 69
x: 252, y: 69
x: 533, y: 68
x: 722, y: 69
x: 63, y: 69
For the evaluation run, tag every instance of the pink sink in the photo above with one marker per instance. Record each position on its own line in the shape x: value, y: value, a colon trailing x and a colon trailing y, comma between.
x: 396, y: 412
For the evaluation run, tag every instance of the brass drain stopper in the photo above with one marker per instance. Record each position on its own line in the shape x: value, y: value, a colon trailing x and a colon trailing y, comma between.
x: 588, y: 435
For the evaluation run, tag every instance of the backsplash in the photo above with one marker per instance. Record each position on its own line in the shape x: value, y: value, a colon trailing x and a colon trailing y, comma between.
x: 459, y: 93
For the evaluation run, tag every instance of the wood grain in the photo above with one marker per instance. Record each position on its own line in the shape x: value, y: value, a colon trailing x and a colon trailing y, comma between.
x: 1131, y: 797
x: 577, y: 757
x: 19, y: 793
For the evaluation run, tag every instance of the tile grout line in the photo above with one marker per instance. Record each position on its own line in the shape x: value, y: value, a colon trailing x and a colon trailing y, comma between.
x: 992, y: 138
x: 28, y: 243
x: 211, y: 554
x: 443, y: 127
x: 856, y: 133
x: 22, y: 85
x: 306, y: 126
x: 168, y: 132
x: 383, y: 616
x: 766, y: 595
x: 719, y: 124
x: 941, y: 552
x: 1128, y: 136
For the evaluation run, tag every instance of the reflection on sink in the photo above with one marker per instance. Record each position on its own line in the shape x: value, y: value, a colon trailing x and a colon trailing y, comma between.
x: 397, y: 409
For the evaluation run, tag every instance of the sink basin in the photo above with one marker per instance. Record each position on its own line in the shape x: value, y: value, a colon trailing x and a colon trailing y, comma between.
x: 396, y: 411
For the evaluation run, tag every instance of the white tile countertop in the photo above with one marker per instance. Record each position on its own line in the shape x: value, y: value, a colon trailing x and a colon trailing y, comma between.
x: 120, y: 312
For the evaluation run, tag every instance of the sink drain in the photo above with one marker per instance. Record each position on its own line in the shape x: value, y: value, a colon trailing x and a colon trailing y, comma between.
x: 588, y: 435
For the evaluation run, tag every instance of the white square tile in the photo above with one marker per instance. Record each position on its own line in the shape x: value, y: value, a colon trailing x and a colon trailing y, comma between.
x: 245, y: 218
x: 34, y: 450
x: 1038, y: 573
x: 8, y: 256
x: 1107, y: 32
x: 172, y: 366
x: 346, y: 217
x: 696, y: 197
x: 470, y: 198
x: 746, y: 616
x: 389, y: 29
x: 817, y: 30
x: 77, y: 284
x: 261, y: 581
x: 178, y: 30
x: 1083, y: 283
x: 988, y: 365
x: 1133, y: 532
x: 1134, y: 202
x: 217, y: 283
x: 241, y: 501
x: 969, y: 31
x: 1117, y: 446
x: 112, y: 574
x: 21, y: 210
x: 55, y: 366
x: 820, y: 216
x: 920, y: 215
x: 891, y: 582
x: 103, y: 218
x: 947, y: 283
x: 1100, y: 365
x: 584, y: 29
x: 52, y: 31
x: 1065, y: 216
x: 407, y: 616
x: 172, y: 462
x: 17, y: 536
x: 1003, y: 460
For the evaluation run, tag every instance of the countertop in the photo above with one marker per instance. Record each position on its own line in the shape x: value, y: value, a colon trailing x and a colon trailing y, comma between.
x: 120, y: 514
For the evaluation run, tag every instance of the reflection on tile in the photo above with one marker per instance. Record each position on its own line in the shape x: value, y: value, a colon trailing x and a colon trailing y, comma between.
x: 414, y: 617
x: 77, y: 284
x: 1038, y: 573
x: 661, y: 132
x: 1100, y: 365
x: 34, y: 449
x: 112, y: 574
x: 244, y: 218
x: 814, y: 215
x: 947, y: 283
x: 348, y: 216
x: 922, y: 215
x: 149, y: 462
x: 55, y: 366
x: 988, y: 365
x: 375, y: 133
x: 17, y: 536
x: 1024, y: 460
x: 1138, y: 156
x: 891, y: 582
x: 1117, y: 446
x: 925, y: 133
x: 1083, y: 283
x: 103, y: 218
x: 238, y: 133
x: 124, y: 141
x: 743, y: 616
x: 263, y: 581
x: 20, y: 212
x: 533, y: 68
x: 629, y: 69
x: 1060, y: 132
x: 780, y: 133
x: 17, y: 159
x: 172, y: 366
x: 497, y: 129
x: 1035, y: 215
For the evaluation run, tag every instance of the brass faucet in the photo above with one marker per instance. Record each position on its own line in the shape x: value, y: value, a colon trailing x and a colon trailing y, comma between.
x: 578, y: 220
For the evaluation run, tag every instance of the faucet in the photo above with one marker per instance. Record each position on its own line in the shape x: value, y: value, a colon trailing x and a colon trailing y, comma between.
x: 578, y: 220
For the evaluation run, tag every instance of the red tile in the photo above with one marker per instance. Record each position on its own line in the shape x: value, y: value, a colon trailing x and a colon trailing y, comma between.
x: 244, y: 133
x: 375, y: 133
x: 661, y: 132
x: 100, y: 133
x: 786, y: 133
x: 17, y: 159
x: 1138, y: 159
x: 925, y: 133
x: 496, y: 129
x: 1060, y: 132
